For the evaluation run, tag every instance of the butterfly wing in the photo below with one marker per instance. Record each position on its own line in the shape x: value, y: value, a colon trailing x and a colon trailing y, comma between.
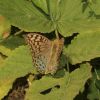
x: 53, y: 63
x: 40, y: 47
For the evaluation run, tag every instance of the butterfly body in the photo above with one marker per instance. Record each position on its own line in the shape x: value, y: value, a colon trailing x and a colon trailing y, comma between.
x: 45, y: 53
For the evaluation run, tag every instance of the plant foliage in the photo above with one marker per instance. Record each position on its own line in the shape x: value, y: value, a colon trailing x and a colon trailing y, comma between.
x: 65, y: 17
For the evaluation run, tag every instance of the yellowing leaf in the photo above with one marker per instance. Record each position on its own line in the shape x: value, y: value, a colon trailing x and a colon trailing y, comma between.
x: 18, y: 64
x: 68, y: 86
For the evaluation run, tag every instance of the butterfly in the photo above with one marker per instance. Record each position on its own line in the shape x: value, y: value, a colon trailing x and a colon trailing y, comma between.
x: 45, y: 53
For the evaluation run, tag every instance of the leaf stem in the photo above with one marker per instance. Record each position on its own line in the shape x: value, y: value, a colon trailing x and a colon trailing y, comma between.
x: 68, y: 66
x: 96, y: 74
x: 98, y: 93
x: 17, y: 33
x: 56, y: 32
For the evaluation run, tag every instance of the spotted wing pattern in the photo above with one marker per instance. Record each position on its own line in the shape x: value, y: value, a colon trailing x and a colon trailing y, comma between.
x: 45, y: 53
x: 40, y: 47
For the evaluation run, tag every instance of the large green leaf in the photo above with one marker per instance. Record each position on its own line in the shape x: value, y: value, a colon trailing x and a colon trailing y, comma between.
x: 73, y: 19
x: 25, y: 15
x: 18, y: 64
x: 42, y: 5
x: 84, y: 47
x: 54, y: 15
x: 69, y: 85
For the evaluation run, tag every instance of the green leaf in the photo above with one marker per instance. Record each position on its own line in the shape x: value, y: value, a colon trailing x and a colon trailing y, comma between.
x: 42, y: 4
x: 18, y: 64
x: 54, y: 15
x: 84, y: 47
x: 63, y: 61
x: 1, y: 59
x: 97, y: 81
x: 98, y: 84
x: 12, y: 42
x: 68, y: 86
x: 23, y: 14
x: 5, y: 51
x: 9, y: 44
x: 94, y: 92
x: 73, y: 20
x: 53, y: 6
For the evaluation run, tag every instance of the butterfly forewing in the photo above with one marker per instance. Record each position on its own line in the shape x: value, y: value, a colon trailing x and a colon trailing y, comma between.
x: 40, y: 47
